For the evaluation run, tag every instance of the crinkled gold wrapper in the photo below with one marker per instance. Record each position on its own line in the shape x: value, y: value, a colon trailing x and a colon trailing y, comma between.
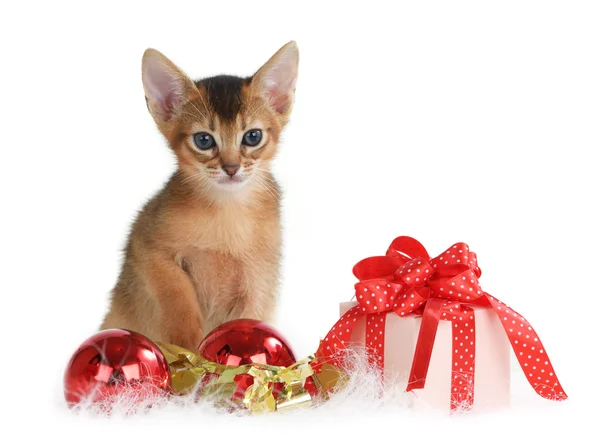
x: 188, y: 368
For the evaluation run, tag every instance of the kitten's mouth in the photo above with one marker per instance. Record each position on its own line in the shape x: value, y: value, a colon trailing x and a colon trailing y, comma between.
x: 231, y: 182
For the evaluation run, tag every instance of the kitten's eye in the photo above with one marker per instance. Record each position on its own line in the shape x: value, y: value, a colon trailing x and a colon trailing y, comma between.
x: 204, y: 141
x: 252, y: 137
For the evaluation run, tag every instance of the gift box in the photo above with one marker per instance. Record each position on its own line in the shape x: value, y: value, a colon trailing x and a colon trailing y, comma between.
x: 491, y: 373
x: 427, y: 323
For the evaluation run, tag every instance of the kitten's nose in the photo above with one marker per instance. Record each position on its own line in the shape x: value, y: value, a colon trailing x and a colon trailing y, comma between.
x: 231, y: 169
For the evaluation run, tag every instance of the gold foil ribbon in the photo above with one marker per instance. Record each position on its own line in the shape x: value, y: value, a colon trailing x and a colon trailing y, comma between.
x: 330, y: 378
x: 188, y: 368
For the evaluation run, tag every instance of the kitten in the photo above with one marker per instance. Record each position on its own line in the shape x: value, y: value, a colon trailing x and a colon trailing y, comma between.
x: 206, y: 249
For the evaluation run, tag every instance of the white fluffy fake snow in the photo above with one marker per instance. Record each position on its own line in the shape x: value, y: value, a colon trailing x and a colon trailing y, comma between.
x: 364, y: 407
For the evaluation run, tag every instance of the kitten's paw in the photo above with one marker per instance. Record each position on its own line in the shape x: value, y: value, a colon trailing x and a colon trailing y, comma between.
x: 187, y: 340
x: 185, y: 336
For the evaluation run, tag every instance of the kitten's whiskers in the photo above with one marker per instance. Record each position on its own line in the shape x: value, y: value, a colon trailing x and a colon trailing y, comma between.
x: 265, y: 184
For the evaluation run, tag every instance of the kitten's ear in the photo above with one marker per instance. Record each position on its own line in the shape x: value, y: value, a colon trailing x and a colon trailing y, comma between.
x: 276, y: 80
x: 165, y: 85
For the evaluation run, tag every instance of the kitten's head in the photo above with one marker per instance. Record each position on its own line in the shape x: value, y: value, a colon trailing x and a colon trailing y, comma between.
x: 224, y: 130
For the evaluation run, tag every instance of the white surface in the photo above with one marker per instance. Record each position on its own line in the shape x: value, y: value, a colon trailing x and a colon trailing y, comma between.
x: 446, y: 121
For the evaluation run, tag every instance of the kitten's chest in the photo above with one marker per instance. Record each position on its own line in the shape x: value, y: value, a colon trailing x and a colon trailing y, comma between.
x: 230, y: 232
x: 228, y: 253
x: 214, y: 272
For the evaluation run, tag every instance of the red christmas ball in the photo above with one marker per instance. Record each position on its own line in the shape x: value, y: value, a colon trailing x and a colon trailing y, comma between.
x: 247, y: 341
x: 115, y: 362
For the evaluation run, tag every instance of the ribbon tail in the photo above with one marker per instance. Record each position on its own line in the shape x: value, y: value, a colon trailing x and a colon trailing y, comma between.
x: 529, y: 351
x: 424, y: 347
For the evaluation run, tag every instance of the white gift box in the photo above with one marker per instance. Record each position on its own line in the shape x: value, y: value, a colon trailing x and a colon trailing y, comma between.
x: 492, y: 359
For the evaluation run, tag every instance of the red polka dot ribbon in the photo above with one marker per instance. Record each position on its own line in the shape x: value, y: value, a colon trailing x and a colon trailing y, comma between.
x: 407, y: 281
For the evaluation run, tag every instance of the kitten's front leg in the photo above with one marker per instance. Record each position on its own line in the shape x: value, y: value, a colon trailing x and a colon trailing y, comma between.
x: 260, y: 293
x: 180, y: 319
x: 256, y: 309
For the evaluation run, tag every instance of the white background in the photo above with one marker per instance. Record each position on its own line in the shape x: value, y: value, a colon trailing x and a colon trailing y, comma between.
x: 445, y: 121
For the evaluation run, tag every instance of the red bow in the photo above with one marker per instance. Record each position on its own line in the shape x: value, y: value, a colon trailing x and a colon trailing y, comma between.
x: 407, y: 281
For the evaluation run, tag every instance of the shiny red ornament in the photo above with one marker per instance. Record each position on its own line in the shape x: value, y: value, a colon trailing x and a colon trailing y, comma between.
x: 247, y: 341
x: 114, y: 362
